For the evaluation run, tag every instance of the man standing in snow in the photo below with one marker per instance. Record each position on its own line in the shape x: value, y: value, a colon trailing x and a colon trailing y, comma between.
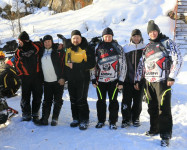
x: 53, y: 82
x: 160, y: 64
x: 79, y: 60
x: 27, y: 63
x: 108, y: 76
x: 131, y: 106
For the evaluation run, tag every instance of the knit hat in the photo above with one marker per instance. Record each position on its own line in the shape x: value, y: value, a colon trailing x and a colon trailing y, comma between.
x: 47, y: 37
x: 23, y: 36
x: 107, y: 31
x: 136, y: 32
x: 75, y: 32
x: 152, y: 26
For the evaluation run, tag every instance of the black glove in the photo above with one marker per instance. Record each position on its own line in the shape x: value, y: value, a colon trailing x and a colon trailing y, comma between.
x: 94, y: 81
x: 95, y: 40
x: 120, y: 83
x: 67, y: 43
x: 60, y: 36
x: 170, y: 79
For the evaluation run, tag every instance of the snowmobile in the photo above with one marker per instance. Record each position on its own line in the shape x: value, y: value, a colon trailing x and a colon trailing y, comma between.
x: 6, y: 112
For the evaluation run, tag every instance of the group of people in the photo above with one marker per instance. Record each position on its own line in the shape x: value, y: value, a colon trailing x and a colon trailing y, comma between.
x: 135, y: 69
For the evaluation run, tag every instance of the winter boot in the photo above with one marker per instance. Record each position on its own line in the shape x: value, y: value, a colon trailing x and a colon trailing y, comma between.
x: 99, y: 125
x: 42, y: 122
x: 152, y: 133
x: 165, y: 142
x: 26, y: 118
x: 35, y: 119
x: 54, y: 122
x: 83, y: 125
x: 75, y: 123
x: 136, y: 123
x: 125, y: 124
x: 113, y: 126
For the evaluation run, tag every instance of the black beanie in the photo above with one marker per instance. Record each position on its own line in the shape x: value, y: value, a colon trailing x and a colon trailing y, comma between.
x: 152, y: 26
x: 23, y: 36
x: 107, y: 31
x: 75, y: 32
x: 136, y: 32
x: 47, y: 37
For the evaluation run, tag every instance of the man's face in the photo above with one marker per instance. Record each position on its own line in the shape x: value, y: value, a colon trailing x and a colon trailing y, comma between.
x: 153, y: 35
x: 76, y: 40
x: 48, y: 44
x: 136, y: 39
x: 107, y: 38
x: 20, y: 43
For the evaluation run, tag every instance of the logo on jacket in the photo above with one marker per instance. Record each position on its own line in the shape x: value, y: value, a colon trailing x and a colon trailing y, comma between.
x: 151, y: 65
x: 111, y: 49
x: 157, y: 46
x: 106, y: 67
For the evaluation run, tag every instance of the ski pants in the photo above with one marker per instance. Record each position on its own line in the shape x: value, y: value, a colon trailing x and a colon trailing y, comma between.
x: 53, y: 92
x: 31, y: 85
x: 101, y: 105
x: 78, y: 91
x: 159, y: 107
x: 131, y: 106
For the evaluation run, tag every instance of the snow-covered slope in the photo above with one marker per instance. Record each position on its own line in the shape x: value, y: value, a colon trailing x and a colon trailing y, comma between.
x: 121, y: 15
x: 27, y: 136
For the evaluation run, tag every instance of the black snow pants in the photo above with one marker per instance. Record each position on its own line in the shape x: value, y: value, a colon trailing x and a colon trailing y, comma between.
x: 131, y: 106
x: 159, y: 107
x: 78, y: 91
x: 53, y: 92
x: 31, y: 84
x: 101, y: 105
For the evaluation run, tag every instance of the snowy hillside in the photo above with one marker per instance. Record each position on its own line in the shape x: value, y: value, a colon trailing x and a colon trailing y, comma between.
x: 122, y: 16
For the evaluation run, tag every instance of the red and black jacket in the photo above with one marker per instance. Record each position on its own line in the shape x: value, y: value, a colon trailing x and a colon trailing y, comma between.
x: 27, y: 59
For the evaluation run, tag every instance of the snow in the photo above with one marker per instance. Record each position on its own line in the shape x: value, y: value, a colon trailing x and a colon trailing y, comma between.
x: 122, y: 16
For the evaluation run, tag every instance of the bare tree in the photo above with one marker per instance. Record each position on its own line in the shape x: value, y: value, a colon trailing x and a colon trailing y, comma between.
x: 18, y: 14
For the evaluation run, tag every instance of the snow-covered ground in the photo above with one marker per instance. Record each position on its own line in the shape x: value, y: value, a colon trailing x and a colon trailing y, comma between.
x: 91, y: 21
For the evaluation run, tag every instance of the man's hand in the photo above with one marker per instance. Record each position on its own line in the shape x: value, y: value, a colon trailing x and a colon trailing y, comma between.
x: 94, y: 83
x: 136, y: 86
x: 119, y: 86
x: 60, y: 46
x: 170, y: 83
x: 61, y: 81
x: 70, y: 65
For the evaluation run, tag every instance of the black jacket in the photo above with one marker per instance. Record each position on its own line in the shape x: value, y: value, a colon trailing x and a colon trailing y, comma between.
x: 133, y: 53
x: 27, y: 59
x: 80, y: 71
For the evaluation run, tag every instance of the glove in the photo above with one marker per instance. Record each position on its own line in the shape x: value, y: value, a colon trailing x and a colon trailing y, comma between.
x: 60, y: 36
x: 120, y: 83
x: 94, y: 81
x: 67, y: 43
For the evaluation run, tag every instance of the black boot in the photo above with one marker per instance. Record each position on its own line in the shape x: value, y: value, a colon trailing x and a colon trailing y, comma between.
x: 56, y: 112
x: 151, y: 133
x: 26, y: 118
x: 35, y: 119
x: 99, y: 125
x: 83, y: 125
x: 75, y: 123
x: 42, y: 122
x: 136, y: 123
x: 54, y: 122
x: 165, y: 142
